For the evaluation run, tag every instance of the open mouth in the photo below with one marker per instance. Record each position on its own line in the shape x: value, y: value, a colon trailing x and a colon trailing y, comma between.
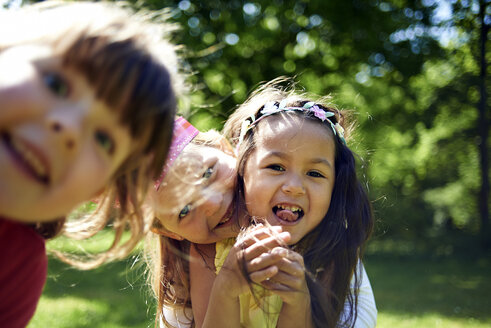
x: 27, y: 158
x: 228, y: 215
x: 288, y: 213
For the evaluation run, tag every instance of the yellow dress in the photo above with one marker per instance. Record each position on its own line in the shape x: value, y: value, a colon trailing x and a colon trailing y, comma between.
x: 252, y: 315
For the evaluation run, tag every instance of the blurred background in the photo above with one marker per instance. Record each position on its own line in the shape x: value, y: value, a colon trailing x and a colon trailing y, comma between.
x: 415, y: 75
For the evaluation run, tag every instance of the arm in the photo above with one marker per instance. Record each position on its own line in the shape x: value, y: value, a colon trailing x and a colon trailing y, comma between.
x: 290, y: 284
x: 367, y: 309
x: 202, y: 276
x: 224, y: 306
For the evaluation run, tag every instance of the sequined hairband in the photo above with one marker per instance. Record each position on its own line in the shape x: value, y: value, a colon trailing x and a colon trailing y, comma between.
x: 182, y: 135
x: 274, y: 107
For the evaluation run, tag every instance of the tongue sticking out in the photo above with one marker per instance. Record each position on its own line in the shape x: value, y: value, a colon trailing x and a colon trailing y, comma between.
x: 287, y: 215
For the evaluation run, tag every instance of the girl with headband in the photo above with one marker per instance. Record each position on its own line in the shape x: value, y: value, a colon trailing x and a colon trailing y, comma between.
x: 199, y: 217
x: 296, y: 172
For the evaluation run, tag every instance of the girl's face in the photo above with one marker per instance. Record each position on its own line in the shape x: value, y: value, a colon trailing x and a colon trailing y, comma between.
x: 195, y: 201
x: 59, y: 145
x: 289, y: 177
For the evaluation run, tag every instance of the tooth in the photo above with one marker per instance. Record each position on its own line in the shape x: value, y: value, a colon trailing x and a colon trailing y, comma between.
x: 29, y: 157
x: 38, y: 166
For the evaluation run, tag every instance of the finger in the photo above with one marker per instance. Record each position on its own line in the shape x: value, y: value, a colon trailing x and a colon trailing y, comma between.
x: 291, y: 282
x: 265, y: 245
x: 263, y: 275
x: 289, y: 254
x: 291, y: 267
x: 262, y: 261
x: 272, y: 285
x: 257, y: 234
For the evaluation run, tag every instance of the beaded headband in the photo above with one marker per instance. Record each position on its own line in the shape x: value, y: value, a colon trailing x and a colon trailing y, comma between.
x: 274, y: 107
x: 182, y: 135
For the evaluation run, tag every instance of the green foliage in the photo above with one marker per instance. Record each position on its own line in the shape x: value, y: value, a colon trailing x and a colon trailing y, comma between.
x: 410, y: 74
x: 414, y: 99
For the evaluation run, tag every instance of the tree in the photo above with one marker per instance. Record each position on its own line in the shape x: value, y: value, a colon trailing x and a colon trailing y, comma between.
x: 413, y: 76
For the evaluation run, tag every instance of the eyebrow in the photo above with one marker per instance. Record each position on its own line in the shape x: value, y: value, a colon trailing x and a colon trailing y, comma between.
x: 316, y: 160
x: 324, y: 161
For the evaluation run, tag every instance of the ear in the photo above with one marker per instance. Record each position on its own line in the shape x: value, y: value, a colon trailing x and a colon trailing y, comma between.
x: 159, y: 229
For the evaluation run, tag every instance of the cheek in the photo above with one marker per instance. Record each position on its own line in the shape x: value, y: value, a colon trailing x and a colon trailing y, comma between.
x: 20, y: 103
x: 89, y: 184
x: 324, y: 201
x: 250, y: 189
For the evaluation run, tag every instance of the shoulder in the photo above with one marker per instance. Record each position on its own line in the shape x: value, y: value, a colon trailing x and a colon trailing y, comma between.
x: 24, y: 266
x: 21, y: 245
x: 176, y: 316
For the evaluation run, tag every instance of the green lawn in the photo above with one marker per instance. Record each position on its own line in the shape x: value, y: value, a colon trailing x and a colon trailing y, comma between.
x: 413, y: 292
x: 410, y: 291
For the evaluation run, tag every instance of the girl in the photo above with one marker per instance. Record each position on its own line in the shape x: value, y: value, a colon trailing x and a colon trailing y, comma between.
x: 201, y: 198
x: 87, y: 98
x: 295, y: 171
x: 191, y: 207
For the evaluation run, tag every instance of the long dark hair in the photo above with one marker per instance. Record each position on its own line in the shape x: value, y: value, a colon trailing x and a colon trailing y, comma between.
x: 333, y: 250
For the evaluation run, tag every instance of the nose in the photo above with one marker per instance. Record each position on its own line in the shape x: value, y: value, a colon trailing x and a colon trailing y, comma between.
x: 66, y: 125
x: 211, y: 203
x: 293, y: 185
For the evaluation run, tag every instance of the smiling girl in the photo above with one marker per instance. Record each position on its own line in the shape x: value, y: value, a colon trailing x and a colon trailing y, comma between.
x: 194, y: 207
x: 87, y: 101
x: 297, y: 173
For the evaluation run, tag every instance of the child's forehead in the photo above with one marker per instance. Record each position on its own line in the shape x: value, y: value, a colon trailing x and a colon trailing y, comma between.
x: 195, y: 156
x: 287, y: 126
x: 189, y: 160
x: 288, y: 120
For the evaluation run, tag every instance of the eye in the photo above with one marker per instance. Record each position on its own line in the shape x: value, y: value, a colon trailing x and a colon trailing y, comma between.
x: 105, y: 141
x: 315, y: 174
x: 208, y: 173
x: 185, y: 211
x: 276, y: 167
x: 56, y: 84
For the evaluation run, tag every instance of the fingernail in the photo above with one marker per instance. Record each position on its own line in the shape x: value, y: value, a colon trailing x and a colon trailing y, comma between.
x: 285, y: 234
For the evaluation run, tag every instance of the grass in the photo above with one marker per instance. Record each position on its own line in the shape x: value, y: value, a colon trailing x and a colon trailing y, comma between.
x: 415, y: 292
x: 411, y: 290
x: 113, y: 296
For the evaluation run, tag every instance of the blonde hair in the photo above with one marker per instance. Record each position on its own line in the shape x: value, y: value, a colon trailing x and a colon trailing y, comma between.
x: 167, y: 258
x: 127, y: 58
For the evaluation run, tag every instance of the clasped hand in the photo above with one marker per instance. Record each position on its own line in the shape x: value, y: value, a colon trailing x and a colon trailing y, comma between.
x: 261, y: 256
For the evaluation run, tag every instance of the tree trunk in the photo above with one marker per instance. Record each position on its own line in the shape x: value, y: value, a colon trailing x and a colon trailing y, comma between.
x: 483, y: 133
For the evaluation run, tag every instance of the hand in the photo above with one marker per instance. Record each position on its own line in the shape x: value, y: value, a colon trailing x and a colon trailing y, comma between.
x: 252, y: 254
x: 289, y: 283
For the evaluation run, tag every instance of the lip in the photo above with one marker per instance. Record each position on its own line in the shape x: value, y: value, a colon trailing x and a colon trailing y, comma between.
x: 285, y: 222
x: 30, y: 161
